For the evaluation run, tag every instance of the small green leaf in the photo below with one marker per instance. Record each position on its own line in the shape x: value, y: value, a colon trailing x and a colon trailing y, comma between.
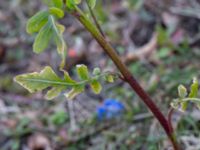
x: 74, y: 92
x: 54, y: 92
x: 184, y: 106
x: 182, y: 91
x: 96, y: 71
x: 109, y: 78
x: 193, y: 93
x: 58, y: 3
x: 82, y: 72
x: 92, y: 3
x: 47, y: 78
x: 56, y: 12
x: 67, y: 78
x: 96, y: 86
x: 77, y: 1
x: 43, y: 38
x: 70, y: 4
x: 36, y: 22
x: 175, y: 104
x: 194, y: 88
x: 46, y: 33
x: 58, y: 37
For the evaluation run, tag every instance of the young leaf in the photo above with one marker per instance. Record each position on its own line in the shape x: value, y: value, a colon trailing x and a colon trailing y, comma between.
x: 109, y: 78
x: 54, y: 92
x: 96, y: 71
x: 92, y: 3
x: 182, y: 91
x: 67, y: 78
x: 36, y: 22
x: 58, y: 3
x: 96, y: 86
x: 70, y: 4
x: 194, y: 88
x: 174, y: 104
x: 43, y: 38
x: 193, y: 93
x: 56, y: 12
x: 183, y: 106
x: 74, y: 92
x: 49, y: 31
x: 82, y: 72
x: 58, y: 38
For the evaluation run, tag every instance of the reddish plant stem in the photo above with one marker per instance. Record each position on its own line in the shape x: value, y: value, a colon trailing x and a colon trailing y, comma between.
x: 128, y: 77
x: 166, y: 124
x: 148, y: 101
x: 169, y: 117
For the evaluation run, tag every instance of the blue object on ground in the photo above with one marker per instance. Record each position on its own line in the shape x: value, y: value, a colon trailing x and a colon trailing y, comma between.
x: 110, y: 108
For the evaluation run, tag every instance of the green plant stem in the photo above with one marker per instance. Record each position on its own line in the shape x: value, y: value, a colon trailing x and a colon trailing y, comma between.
x: 190, y: 99
x: 95, y: 19
x: 126, y: 74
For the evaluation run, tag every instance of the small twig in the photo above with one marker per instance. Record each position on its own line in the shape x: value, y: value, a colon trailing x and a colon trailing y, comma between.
x: 95, y: 19
x: 169, y: 116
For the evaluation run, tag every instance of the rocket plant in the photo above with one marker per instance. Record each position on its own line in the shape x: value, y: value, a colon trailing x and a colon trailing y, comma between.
x: 45, y: 25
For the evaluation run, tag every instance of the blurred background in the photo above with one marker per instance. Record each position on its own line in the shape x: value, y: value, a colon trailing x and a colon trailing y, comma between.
x: 158, y: 40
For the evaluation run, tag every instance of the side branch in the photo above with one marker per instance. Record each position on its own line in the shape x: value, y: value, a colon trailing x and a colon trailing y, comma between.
x: 95, y: 19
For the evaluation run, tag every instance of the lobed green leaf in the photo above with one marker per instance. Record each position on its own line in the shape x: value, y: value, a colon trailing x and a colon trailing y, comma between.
x: 74, y: 92
x: 56, y: 12
x: 54, y: 92
x: 58, y: 30
x: 36, y: 22
x: 47, y: 78
x: 43, y: 38
x: 34, y: 82
x: 51, y: 30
